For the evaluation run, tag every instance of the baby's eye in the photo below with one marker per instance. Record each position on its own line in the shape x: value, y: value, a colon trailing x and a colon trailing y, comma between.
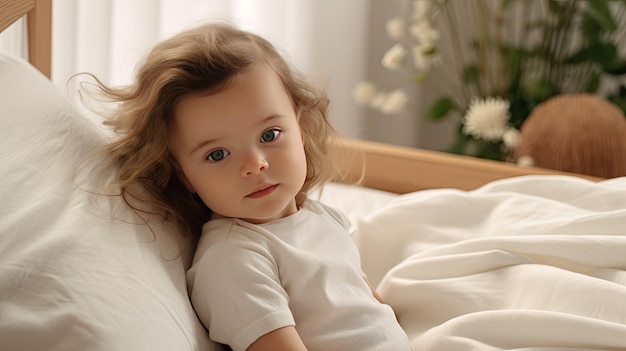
x: 217, y: 155
x: 269, y: 135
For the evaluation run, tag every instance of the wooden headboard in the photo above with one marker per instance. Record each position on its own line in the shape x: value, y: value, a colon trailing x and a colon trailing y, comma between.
x: 385, y: 167
x: 401, y: 169
x: 39, y: 18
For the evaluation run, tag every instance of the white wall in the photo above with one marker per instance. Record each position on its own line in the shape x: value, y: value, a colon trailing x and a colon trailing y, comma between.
x: 335, y: 57
x: 409, y: 128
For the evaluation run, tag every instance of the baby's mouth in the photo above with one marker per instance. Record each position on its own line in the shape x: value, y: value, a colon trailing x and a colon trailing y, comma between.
x: 264, y: 191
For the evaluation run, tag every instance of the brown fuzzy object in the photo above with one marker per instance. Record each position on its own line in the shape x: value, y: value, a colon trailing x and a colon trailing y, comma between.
x: 579, y: 133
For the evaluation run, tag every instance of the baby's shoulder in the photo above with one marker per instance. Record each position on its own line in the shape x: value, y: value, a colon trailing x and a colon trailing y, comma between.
x: 230, y: 234
x: 325, y: 210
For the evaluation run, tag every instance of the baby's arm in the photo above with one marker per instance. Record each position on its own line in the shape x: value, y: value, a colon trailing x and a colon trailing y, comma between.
x: 283, y: 339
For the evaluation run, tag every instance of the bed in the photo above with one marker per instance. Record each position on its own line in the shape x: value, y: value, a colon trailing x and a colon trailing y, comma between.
x: 471, y: 254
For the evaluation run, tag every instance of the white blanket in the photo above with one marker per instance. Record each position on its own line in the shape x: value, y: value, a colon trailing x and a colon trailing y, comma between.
x: 530, y: 263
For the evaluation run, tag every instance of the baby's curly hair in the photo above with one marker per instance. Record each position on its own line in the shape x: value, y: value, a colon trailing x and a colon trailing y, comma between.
x: 200, y: 60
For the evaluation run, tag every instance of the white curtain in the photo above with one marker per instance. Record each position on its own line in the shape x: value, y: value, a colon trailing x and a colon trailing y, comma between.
x: 325, y: 39
x: 13, y: 40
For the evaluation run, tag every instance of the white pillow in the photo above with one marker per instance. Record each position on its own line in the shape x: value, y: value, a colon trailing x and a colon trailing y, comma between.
x: 77, y: 271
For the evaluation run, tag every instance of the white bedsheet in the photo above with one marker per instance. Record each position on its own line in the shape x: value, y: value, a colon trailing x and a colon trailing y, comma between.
x: 529, y: 263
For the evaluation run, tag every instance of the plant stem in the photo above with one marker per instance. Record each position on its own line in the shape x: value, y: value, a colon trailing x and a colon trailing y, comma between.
x: 499, y: 42
x: 482, y: 41
x: 562, y: 39
x: 457, y: 47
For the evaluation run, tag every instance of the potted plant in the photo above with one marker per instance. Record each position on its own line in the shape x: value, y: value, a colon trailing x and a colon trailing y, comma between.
x: 516, y: 54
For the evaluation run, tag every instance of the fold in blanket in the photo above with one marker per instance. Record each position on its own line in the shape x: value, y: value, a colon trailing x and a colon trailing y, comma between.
x: 530, y: 263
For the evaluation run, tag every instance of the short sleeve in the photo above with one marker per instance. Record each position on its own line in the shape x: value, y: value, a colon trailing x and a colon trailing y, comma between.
x: 237, y: 294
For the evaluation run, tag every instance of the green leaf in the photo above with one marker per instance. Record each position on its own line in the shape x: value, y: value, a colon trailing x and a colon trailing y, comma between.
x: 538, y: 90
x: 603, y: 53
x: 440, y: 109
x: 619, y: 101
x: 420, y: 77
x: 593, y: 83
x: 471, y: 76
x: 471, y: 73
x: 580, y: 56
x: 514, y: 67
x: 590, y: 29
x: 459, y: 146
x: 616, y: 68
x: 462, y: 142
x: 600, y: 12
x: 556, y: 6
x: 506, y: 3
x: 489, y: 150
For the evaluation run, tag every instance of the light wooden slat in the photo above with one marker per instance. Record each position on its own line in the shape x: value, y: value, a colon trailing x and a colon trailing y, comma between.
x: 401, y: 170
x: 12, y: 10
x: 40, y: 36
x: 39, y: 18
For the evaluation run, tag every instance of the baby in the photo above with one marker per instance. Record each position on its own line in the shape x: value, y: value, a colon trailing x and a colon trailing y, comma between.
x: 226, y: 139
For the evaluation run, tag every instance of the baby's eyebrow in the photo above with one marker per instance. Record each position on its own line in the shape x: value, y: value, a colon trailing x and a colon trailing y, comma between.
x: 201, y: 145
x: 270, y: 118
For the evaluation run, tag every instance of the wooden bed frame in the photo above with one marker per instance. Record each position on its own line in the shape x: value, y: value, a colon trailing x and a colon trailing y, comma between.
x: 401, y: 169
x: 385, y: 167
x: 39, y: 18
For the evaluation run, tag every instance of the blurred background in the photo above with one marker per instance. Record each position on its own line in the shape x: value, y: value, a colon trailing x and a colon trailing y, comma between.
x: 339, y: 45
x: 336, y: 43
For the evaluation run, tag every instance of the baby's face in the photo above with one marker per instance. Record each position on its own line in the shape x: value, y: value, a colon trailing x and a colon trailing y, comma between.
x: 240, y: 149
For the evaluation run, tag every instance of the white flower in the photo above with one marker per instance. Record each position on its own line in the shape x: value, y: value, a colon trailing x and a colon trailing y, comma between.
x: 364, y: 92
x: 424, y: 32
x: 511, y: 138
x: 526, y: 161
x: 394, y: 58
x: 424, y: 57
x: 421, y: 9
x: 396, y: 27
x: 394, y: 102
x: 378, y: 100
x: 486, y: 119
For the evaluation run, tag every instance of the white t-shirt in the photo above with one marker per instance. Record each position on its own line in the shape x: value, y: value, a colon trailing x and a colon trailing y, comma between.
x: 302, y: 270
